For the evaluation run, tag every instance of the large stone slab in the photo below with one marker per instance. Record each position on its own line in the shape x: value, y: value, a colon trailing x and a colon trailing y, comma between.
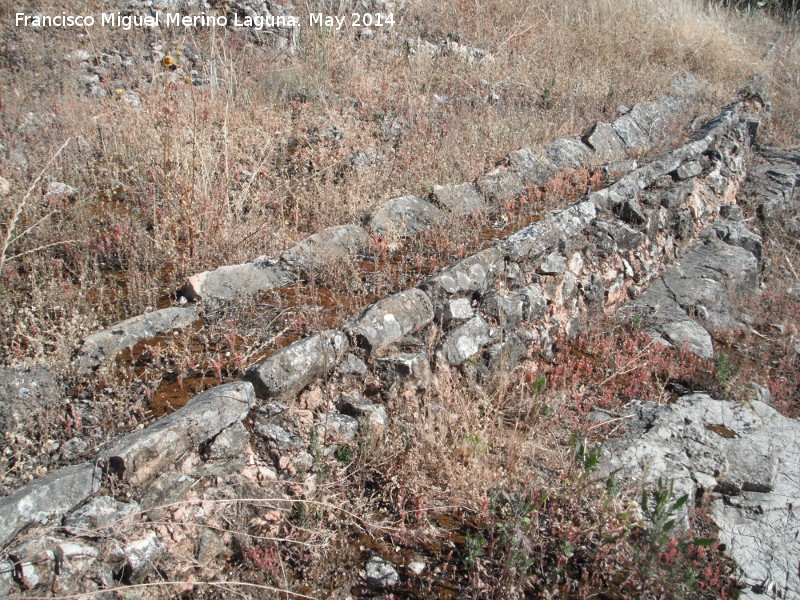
x: 404, y: 216
x: 545, y: 234
x: 534, y: 167
x: 142, y: 455
x: 470, y: 275
x: 710, y: 272
x: 105, y: 345
x: 284, y: 374
x: 47, y: 498
x: 501, y: 185
x: 390, y: 319
x: 569, y: 153
x: 605, y: 142
x: 461, y: 199
x: 229, y: 282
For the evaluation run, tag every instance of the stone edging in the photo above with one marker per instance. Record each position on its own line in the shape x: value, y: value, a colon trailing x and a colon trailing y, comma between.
x: 487, y: 310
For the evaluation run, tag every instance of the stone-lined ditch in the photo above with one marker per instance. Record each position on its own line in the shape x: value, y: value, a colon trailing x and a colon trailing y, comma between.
x: 486, y: 310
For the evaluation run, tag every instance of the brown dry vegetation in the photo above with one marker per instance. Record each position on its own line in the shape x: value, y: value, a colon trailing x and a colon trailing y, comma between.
x: 196, y: 177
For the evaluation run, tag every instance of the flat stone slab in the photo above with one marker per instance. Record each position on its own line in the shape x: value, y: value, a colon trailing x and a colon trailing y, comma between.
x: 284, y: 374
x: 700, y: 284
x: 471, y: 274
x: 545, y: 234
x: 461, y: 199
x: 405, y: 216
x: 391, y: 318
x: 229, y: 282
x: 142, y: 455
x: 47, y: 498
x: 605, y: 142
x: 105, y: 345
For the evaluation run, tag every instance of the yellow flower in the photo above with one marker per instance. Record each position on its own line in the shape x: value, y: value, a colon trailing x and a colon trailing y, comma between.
x: 187, y: 79
x: 168, y: 63
x: 119, y: 91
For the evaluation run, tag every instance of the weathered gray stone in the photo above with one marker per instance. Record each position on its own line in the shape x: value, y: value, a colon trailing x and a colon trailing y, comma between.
x: 406, y: 364
x: 101, y: 513
x: 689, y: 169
x: 461, y: 199
x: 391, y: 318
x: 49, y: 562
x: 369, y: 414
x: 506, y: 309
x: 534, y: 168
x: 142, y: 455
x: 352, y: 365
x: 709, y: 272
x: 631, y: 211
x: 465, y: 341
x: 735, y: 233
x: 619, y: 168
x: 230, y: 443
x: 139, y: 557
x: 731, y: 212
x: 46, y: 498
x: 605, y: 142
x: 235, y: 281
x: 535, y: 304
x: 570, y: 153
x: 104, y: 345
x: 380, y: 574
x: 747, y: 454
x: 455, y: 309
x: 612, y: 237
x: 544, y: 235
x: 405, y: 216
x: 336, y: 428
x: 284, y: 374
x: 501, y: 185
x: 327, y: 249
x: 639, y: 127
x: 506, y: 354
x: 554, y: 263
x: 469, y: 275
x: 277, y: 437
x: 676, y: 195
x: 688, y: 334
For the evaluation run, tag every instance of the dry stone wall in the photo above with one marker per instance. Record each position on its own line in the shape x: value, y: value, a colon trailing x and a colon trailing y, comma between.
x: 610, y: 250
